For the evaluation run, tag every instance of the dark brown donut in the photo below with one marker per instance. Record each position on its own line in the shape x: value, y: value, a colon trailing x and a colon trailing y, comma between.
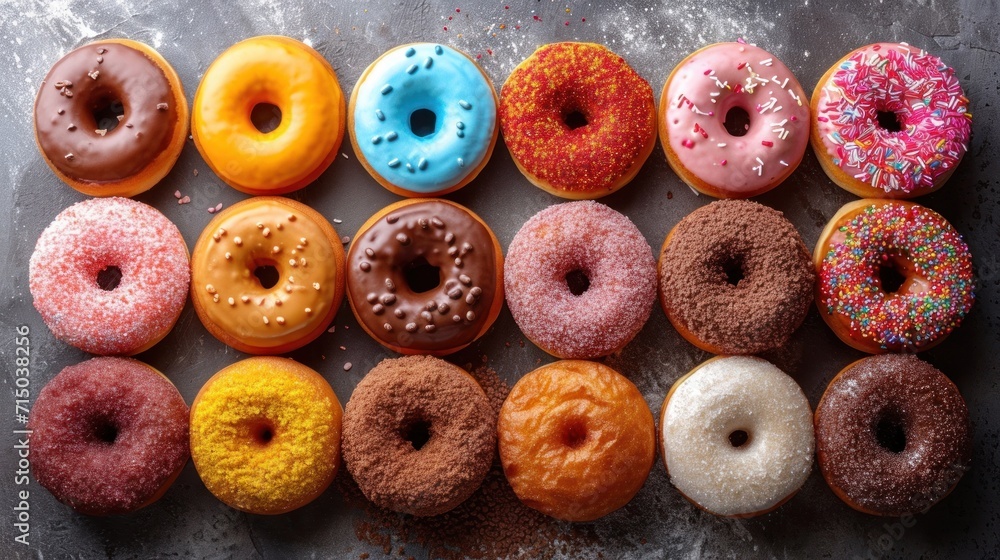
x: 892, y: 435
x: 736, y: 278
x: 419, y: 435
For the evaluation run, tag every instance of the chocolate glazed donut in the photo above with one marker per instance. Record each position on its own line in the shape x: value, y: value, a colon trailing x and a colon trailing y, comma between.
x: 424, y: 277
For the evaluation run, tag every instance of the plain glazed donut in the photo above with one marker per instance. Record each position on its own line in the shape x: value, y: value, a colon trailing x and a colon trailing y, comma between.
x: 419, y: 435
x: 735, y: 278
x: 890, y: 120
x: 702, y: 93
x: 111, y: 118
x: 580, y: 280
x: 577, y: 119
x: 892, y: 435
x: 108, y: 436
x: 423, y: 119
x: 425, y: 276
x: 736, y: 434
x: 110, y: 276
x: 869, y: 238
x: 269, y: 71
x: 236, y: 300
x: 576, y: 440
x: 265, y: 435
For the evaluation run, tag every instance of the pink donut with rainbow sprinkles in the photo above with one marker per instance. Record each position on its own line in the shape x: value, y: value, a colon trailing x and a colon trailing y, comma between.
x: 890, y: 121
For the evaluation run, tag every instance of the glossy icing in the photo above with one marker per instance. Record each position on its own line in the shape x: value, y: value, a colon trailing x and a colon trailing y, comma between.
x: 702, y: 90
x: 432, y: 77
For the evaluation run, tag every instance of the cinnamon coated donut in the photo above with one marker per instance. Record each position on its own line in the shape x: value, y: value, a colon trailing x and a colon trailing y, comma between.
x: 699, y: 109
x: 577, y: 119
x: 735, y: 278
x: 111, y: 118
x: 892, y: 435
x: 108, y: 436
x: 737, y: 436
x: 419, y: 435
x: 893, y: 276
x: 890, y: 120
x: 580, y: 280
x: 425, y: 277
x: 265, y: 435
x: 267, y: 275
x: 576, y: 440
x: 299, y: 134
x: 110, y: 276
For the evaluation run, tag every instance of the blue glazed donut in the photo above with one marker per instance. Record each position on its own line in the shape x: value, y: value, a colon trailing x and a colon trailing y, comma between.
x: 423, y: 119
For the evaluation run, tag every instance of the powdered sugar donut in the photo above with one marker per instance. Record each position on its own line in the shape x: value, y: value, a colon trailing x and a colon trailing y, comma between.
x: 110, y: 276
x: 580, y: 280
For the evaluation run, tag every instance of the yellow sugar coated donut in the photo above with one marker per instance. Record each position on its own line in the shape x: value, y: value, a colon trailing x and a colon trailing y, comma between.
x: 265, y: 435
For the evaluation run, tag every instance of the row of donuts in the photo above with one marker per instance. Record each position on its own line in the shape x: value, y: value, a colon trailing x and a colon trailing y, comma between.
x: 887, y: 120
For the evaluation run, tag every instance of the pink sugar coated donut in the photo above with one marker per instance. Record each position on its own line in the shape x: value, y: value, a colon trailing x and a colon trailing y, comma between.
x: 108, y: 435
x: 547, y: 263
x: 84, y: 240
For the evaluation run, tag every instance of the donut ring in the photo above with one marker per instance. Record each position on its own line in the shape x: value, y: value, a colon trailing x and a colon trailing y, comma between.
x: 921, y: 146
x: 265, y: 435
x: 696, y: 102
x: 422, y: 119
x: 82, y: 248
x: 278, y: 71
x: 580, y: 280
x: 735, y: 278
x: 304, y: 253
x: 76, y: 127
x: 867, y: 237
x: 425, y: 277
x: 865, y: 403
x: 419, y: 435
x: 736, y: 435
x: 577, y: 119
x: 108, y: 436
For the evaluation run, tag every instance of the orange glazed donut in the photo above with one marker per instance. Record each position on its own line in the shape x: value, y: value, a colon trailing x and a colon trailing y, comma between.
x: 267, y: 275
x: 111, y: 118
x: 577, y: 119
x: 289, y: 87
x: 576, y: 440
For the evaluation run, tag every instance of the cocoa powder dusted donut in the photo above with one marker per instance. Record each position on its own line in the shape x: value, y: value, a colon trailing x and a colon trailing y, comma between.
x: 735, y: 278
x: 580, y: 280
x: 892, y: 435
x: 108, y: 436
x: 419, y: 435
x: 425, y: 277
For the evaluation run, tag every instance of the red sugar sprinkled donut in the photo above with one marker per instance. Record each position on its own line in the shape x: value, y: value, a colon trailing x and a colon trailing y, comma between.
x: 580, y: 280
x: 110, y: 276
x: 109, y: 436
x: 890, y: 120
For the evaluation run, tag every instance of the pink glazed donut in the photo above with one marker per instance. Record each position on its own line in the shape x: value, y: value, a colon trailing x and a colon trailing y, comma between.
x: 580, y: 280
x: 110, y: 276
x: 734, y: 121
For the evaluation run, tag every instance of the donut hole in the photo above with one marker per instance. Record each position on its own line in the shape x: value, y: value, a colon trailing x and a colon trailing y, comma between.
x: 739, y: 438
x: 888, y: 121
x: 417, y: 433
x: 575, y: 119
x: 737, y: 121
x: 262, y: 433
x: 891, y: 279
x: 890, y: 432
x: 734, y: 271
x: 574, y: 433
x: 106, y: 432
x: 421, y: 276
x: 108, y: 112
x: 577, y: 282
x: 423, y: 122
x: 266, y: 274
x: 109, y: 277
x: 265, y: 117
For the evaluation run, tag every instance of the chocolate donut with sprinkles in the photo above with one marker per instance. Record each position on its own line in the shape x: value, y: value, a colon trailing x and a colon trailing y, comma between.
x: 890, y: 120
x: 893, y: 276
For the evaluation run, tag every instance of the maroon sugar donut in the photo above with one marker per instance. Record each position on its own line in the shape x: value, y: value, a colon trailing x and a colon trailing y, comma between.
x: 110, y: 276
x: 892, y: 435
x: 735, y: 278
x: 419, y: 435
x: 580, y: 280
x: 109, y: 436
